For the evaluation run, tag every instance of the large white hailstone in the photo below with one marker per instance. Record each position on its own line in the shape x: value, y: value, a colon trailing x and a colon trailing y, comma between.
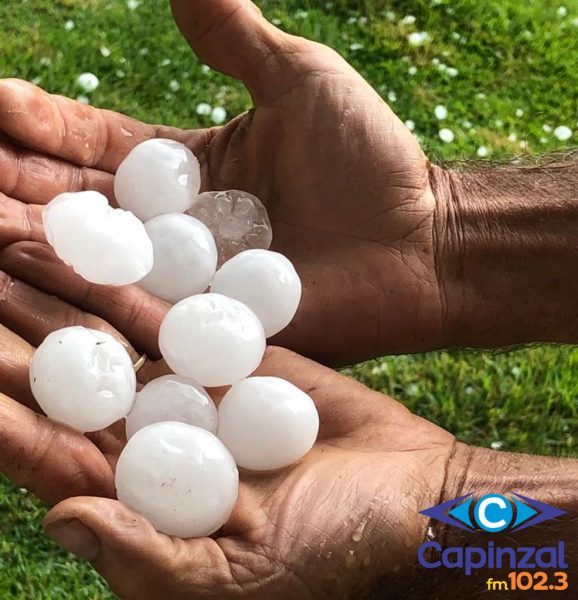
x: 83, y: 377
x: 185, y: 257
x: 212, y: 339
x: 172, y: 398
x: 102, y: 244
x: 267, y: 423
x: 181, y: 478
x: 238, y: 221
x: 266, y: 282
x: 157, y: 177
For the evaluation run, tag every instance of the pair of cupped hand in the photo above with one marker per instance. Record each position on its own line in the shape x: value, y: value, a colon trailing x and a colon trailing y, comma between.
x: 348, y: 192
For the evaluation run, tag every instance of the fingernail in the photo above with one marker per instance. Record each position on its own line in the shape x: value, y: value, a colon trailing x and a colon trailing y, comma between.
x: 75, y: 537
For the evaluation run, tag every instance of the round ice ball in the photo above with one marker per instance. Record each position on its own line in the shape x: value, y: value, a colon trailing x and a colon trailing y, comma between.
x: 157, y: 177
x: 172, y: 398
x: 185, y: 257
x: 212, y: 339
x: 238, y: 221
x: 102, y: 244
x: 67, y: 210
x: 266, y: 282
x: 267, y: 423
x: 179, y: 477
x: 83, y: 377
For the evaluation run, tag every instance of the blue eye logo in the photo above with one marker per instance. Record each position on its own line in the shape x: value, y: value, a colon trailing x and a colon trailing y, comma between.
x: 493, y: 513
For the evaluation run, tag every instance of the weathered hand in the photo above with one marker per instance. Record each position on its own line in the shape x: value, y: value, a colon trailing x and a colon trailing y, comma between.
x: 344, y: 516
x: 349, y: 507
x: 345, y: 182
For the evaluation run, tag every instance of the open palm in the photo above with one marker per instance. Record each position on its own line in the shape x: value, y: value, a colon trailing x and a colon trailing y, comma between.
x: 350, y: 507
x: 348, y: 510
x: 345, y: 182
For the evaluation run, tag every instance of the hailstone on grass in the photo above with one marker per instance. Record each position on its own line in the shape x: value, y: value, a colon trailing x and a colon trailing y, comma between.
x: 157, y: 177
x: 212, y: 339
x: 172, y: 398
x: 83, y: 377
x: 266, y: 282
x: 267, y: 423
x: 238, y: 221
x: 103, y: 245
x: 185, y: 257
x: 179, y: 477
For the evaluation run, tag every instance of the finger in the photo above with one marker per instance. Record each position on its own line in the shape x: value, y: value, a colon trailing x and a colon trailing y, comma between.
x: 233, y: 37
x: 19, y: 221
x: 130, y: 310
x: 136, y: 561
x: 50, y: 459
x: 15, y: 355
x: 80, y: 134
x: 32, y: 177
x: 33, y: 314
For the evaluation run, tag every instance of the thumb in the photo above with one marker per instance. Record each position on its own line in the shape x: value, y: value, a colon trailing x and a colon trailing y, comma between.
x: 233, y: 37
x: 136, y: 560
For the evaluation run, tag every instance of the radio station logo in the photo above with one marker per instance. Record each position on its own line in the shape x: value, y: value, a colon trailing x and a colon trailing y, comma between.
x: 493, y: 513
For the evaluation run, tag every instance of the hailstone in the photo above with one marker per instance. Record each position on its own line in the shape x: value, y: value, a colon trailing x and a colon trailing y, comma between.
x: 267, y: 423
x: 102, y: 244
x: 172, y: 398
x: 238, y: 221
x: 185, y: 257
x: 157, y: 177
x: 179, y: 477
x: 212, y: 339
x: 266, y: 282
x: 83, y: 377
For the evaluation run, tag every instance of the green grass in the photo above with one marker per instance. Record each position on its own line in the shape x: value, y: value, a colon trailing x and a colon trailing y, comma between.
x: 509, y: 55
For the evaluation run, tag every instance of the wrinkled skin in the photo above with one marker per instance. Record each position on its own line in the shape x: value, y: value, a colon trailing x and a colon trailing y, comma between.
x: 348, y: 191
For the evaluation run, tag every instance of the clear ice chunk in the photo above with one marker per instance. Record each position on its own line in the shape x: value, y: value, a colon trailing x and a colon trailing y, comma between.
x: 238, y: 221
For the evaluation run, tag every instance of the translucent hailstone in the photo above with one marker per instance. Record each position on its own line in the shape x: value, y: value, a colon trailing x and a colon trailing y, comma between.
x: 212, y: 339
x: 83, y: 377
x: 238, y: 221
x: 172, y: 398
x: 267, y: 423
x: 157, y: 177
x: 179, y: 477
x: 104, y: 245
x: 185, y: 257
x: 266, y: 282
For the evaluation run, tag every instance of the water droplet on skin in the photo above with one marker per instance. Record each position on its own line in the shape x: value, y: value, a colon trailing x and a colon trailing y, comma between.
x: 358, y: 533
x: 126, y: 132
x: 350, y: 559
x: 6, y: 288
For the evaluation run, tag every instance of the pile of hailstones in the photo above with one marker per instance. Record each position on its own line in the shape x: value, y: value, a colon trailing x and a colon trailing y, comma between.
x: 179, y: 466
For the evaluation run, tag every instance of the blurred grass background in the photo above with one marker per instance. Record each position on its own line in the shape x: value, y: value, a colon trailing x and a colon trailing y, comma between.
x: 505, y: 70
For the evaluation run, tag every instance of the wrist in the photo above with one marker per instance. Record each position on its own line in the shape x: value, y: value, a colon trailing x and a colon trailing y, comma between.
x: 507, y: 254
x: 480, y: 470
